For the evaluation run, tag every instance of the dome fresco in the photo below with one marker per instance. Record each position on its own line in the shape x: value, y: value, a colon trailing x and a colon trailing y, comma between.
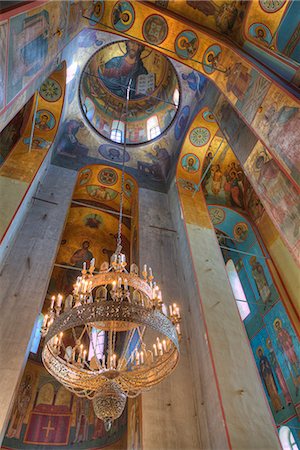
x: 154, y: 95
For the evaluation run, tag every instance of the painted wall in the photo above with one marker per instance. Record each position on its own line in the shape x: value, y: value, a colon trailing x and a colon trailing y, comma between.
x: 272, y: 336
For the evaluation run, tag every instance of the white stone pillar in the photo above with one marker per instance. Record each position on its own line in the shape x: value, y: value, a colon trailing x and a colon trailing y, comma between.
x: 169, y: 413
x: 25, y: 276
x: 240, y: 409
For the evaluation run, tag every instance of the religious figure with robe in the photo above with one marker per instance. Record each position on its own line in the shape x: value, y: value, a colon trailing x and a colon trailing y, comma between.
x: 117, y: 72
x: 276, y: 367
x: 82, y: 419
x: 286, y: 345
x: 259, y: 277
x: 269, y: 380
x: 20, y: 408
x: 82, y: 255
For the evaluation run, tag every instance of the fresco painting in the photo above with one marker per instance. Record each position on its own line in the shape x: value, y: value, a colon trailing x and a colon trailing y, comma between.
x: 288, y: 34
x: 272, y: 337
x: 224, y: 180
x: 3, y: 42
x: 274, y: 384
x: 283, y: 139
x: 33, y: 41
x: 278, y: 195
x: 10, y: 135
x: 104, y: 84
x: 46, y: 415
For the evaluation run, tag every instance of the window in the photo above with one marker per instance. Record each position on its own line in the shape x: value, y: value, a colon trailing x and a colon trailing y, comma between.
x: 36, y: 333
x: 97, y: 344
x: 176, y: 97
x: 117, y: 131
x: 287, y: 439
x: 153, y: 129
x: 237, y: 289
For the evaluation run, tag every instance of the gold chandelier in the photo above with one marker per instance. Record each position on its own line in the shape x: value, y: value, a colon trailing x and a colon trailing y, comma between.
x: 112, y: 338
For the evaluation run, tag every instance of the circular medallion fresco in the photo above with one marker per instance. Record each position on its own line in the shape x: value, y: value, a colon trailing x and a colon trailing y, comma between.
x: 190, y: 163
x: 260, y: 32
x: 240, y: 231
x: 50, y: 90
x: 199, y: 136
x: 271, y: 6
x: 84, y: 176
x: 44, y: 120
x: 122, y: 16
x: 211, y: 58
x: 103, y: 87
x: 108, y: 176
x: 113, y: 153
x: 96, y: 14
x: 155, y: 29
x: 217, y: 215
x: 186, y: 44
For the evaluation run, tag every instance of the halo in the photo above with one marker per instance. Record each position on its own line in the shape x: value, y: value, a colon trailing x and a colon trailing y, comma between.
x: 182, y: 41
x: 268, y: 342
x: 277, y: 320
x: 261, y: 29
x: 126, y: 11
x: 94, y: 10
x: 259, y: 348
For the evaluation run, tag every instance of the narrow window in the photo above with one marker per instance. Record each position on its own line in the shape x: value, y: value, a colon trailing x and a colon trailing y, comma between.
x: 117, y: 131
x: 287, y: 439
x: 237, y: 289
x: 97, y: 344
x: 153, y: 129
x: 36, y: 333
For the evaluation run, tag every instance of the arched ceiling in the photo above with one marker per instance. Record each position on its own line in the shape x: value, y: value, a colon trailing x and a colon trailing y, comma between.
x: 79, y: 142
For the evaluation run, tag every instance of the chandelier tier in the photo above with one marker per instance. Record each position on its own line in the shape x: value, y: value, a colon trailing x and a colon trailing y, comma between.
x: 127, y: 311
x: 112, y: 338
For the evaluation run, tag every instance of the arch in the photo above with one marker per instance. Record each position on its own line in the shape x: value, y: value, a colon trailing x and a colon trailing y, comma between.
x: 287, y: 438
x: 46, y: 394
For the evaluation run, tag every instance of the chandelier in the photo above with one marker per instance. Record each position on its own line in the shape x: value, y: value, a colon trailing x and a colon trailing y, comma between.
x: 114, y: 337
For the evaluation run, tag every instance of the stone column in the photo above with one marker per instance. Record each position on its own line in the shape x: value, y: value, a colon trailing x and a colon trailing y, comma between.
x: 24, y: 279
x: 216, y: 331
x: 169, y: 413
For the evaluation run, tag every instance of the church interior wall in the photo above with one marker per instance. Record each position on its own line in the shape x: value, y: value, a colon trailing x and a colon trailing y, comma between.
x: 25, y: 276
x: 90, y: 231
x: 231, y: 107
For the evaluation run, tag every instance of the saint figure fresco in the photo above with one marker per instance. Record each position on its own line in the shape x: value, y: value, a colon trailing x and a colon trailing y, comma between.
x: 276, y: 367
x: 286, y: 345
x: 20, y: 408
x: 117, y: 72
x: 269, y: 380
x: 82, y: 255
x: 259, y: 277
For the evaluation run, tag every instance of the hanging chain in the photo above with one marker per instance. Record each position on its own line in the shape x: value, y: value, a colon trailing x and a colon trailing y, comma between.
x: 119, y: 240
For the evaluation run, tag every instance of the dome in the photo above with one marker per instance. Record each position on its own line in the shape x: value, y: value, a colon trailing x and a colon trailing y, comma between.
x: 154, y: 95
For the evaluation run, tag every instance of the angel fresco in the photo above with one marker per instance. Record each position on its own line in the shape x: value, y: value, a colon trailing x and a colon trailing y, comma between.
x: 117, y: 72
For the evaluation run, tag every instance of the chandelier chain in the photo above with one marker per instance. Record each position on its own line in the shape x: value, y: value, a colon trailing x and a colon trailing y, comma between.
x: 119, y: 240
